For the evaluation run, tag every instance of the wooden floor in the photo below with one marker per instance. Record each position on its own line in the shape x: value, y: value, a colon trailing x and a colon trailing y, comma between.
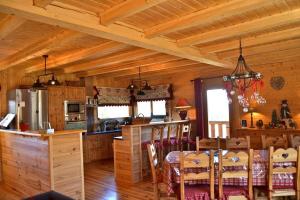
x: 100, y: 185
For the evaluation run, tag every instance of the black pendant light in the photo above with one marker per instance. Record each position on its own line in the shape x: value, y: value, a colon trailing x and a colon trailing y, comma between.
x: 52, y: 81
x: 133, y: 86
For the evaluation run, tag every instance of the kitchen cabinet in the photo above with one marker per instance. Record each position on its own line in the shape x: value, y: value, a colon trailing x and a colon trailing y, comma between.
x: 98, y: 146
x: 56, y: 97
x: 75, y: 93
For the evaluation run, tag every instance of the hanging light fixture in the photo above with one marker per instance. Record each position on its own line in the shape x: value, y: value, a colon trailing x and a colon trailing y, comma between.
x: 143, y: 85
x: 52, y: 81
x: 241, y: 80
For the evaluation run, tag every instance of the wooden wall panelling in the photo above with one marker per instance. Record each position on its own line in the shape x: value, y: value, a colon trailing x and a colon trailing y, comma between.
x: 75, y: 93
x: 25, y: 164
x: 67, y: 161
x: 98, y: 146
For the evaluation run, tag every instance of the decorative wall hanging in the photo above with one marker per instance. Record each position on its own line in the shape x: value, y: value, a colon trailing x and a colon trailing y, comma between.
x: 277, y: 82
x: 245, y: 83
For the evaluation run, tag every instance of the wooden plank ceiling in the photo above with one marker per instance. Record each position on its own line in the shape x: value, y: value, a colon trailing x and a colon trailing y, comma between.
x: 112, y: 38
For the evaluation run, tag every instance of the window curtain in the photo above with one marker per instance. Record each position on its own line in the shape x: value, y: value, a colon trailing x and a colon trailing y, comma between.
x: 201, y: 110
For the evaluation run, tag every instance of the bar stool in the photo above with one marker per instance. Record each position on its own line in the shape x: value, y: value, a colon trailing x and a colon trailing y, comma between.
x: 185, y: 136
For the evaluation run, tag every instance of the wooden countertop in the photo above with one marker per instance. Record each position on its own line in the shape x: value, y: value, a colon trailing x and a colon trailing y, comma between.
x: 157, y: 123
x: 37, y: 134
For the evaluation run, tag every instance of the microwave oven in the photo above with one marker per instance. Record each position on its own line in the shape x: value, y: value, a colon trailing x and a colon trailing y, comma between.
x: 74, y: 111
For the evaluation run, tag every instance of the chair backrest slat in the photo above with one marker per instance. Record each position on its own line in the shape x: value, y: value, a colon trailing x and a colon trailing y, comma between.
x: 295, y: 141
x: 207, y: 143
x: 238, y: 143
x: 276, y: 142
x: 197, y: 160
x: 279, y: 156
x: 236, y: 165
x: 154, y: 164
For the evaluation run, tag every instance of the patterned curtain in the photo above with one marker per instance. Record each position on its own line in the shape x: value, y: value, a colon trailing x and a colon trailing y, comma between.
x: 159, y: 92
x: 113, y: 96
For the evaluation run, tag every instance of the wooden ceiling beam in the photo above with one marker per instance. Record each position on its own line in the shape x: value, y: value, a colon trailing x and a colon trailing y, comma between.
x: 125, y: 9
x: 201, y: 68
x: 38, y: 48
x: 109, y: 60
x: 8, y: 24
x: 41, y: 3
x: 256, y: 50
x: 168, y: 65
x: 88, y: 5
x: 156, y: 59
x: 243, y: 29
x: 89, y: 24
x: 75, y: 56
x: 205, y: 16
x: 266, y: 38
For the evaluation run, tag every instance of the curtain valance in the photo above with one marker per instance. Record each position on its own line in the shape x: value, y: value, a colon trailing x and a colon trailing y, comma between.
x: 122, y: 96
x: 159, y: 92
x: 113, y: 96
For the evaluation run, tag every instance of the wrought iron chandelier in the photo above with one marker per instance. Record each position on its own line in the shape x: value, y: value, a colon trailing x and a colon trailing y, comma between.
x: 52, y: 81
x: 241, y: 80
x: 142, y: 85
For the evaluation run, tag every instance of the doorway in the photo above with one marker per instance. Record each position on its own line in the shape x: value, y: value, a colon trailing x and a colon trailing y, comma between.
x: 217, y: 113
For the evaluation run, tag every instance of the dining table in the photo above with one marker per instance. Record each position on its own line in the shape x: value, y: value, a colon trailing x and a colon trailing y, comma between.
x: 171, y: 172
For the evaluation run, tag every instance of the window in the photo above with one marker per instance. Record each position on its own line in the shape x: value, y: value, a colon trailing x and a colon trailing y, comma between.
x: 108, y: 112
x: 152, y: 108
x: 218, y: 113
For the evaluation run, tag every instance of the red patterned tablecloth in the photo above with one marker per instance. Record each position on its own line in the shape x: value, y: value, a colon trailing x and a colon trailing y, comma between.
x: 260, y: 170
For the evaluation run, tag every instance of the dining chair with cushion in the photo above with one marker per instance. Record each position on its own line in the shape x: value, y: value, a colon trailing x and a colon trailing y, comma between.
x: 276, y: 142
x: 160, y: 189
x: 295, y: 141
x: 196, y: 166
x: 156, y: 138
x: 277, y: 158
x: 233, y: 165
x: 170, y: 143
x: 185, y: 136
x: 207, y: 143
x: 238, y: 143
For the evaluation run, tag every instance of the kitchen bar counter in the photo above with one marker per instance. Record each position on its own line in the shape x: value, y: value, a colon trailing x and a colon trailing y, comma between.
x: 129, y: 161
x: 34, y: 163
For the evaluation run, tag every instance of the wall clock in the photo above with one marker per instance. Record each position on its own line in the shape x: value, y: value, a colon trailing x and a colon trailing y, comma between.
x: 277, y: 82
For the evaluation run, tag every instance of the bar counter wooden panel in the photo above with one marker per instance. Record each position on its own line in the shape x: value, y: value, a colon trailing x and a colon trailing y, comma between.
x: 98, y: 147
x: 255, y: 134
x: 33, y: 164
x: 128, y: 158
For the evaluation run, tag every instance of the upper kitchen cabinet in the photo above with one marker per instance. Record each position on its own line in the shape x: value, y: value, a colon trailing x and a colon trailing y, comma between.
x: 75, y: 93
x: 56, y: 96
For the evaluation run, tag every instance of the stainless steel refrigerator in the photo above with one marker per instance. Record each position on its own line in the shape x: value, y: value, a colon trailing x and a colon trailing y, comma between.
x: 30, y: 107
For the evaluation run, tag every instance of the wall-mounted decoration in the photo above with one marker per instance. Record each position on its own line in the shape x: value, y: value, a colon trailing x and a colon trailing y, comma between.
x: 277, y: 82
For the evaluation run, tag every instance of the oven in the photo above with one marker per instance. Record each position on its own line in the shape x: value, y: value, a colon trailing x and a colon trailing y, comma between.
x: 74, y: 111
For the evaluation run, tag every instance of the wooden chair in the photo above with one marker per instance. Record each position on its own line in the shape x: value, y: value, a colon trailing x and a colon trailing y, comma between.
x: 295, y: 141
x: 157, y: 138
x: 283, y: 155
x: 171, y: 141
x: 234, y: 163
x: 196, y: 160
x: 159, y: 187
x: 276, y: 142
x: 185, y: 136
x: 207, y: 143
x: 238, y: 143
